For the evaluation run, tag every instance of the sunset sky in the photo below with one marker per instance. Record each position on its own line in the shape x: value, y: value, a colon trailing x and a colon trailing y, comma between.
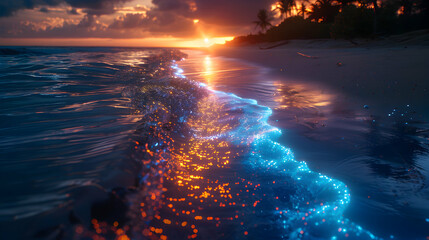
x: 183, y: 23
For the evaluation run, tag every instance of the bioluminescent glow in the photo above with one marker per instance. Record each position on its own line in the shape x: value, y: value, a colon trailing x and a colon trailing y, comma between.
x: 211, y: 168
x: 319, y: 207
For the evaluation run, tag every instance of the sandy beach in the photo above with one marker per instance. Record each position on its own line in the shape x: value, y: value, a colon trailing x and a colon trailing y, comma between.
x: 381, y: 74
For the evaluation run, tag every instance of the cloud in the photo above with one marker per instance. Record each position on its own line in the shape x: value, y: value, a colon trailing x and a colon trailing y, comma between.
x: 95, y: 7
x: 230, y: 12
x: 170, y: 5
x: 73, y: 11
x: 126, y: 19
x: 175, y: 17
x: 7, y: 8
x: 220, y: 12
x: 156, y: 23
x: 44, y: 10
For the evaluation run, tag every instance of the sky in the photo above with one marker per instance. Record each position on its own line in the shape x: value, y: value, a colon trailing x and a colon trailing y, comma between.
x: 173, y: 23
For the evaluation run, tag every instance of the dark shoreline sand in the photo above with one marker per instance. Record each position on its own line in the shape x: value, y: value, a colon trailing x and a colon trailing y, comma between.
x: 379, y: 74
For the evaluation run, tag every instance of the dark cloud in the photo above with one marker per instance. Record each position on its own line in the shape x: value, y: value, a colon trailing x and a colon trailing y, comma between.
x: 129, y: 20
x: 221, y: 12
x: 168, y: 5
x: 95, y: 7
x: 8, y: 7
x: 44, y: 10
x: 87, y: 21
x: 156, y: 23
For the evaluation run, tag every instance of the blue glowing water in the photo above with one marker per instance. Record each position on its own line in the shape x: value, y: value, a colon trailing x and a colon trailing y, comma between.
x: 316, y: 212
x: 134, y: 143
x: 379, y: 154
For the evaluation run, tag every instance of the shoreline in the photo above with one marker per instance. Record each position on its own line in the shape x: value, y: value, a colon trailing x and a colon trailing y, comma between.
x: 371, y: 83
x: 378, y: 75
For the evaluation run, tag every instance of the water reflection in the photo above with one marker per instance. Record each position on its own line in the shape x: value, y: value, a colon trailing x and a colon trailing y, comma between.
x: 294, y: 95
x: 304, y: 104
x: 208, y: 71
x: 307, y: 104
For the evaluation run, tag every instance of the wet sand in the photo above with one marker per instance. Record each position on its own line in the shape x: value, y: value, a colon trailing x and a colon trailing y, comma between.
x: 369, y: 74
x: 373, y: 132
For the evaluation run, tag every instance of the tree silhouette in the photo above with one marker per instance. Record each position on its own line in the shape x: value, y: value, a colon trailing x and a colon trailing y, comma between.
x: 302, y: 10
x: 285, y: 7
x: 323, y: 11
x: 264, y: 20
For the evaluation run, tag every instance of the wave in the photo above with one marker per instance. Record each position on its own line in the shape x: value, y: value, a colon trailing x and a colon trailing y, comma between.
x: 212, y: 168
x: 208, y: 166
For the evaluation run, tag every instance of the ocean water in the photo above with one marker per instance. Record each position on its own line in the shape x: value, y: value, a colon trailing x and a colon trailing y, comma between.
x: 139, y: 143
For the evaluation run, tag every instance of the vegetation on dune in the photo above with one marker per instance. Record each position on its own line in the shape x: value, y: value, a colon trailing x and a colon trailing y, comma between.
x: 346, y: 19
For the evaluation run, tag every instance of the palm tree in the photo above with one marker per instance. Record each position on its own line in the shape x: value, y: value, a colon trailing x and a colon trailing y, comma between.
x: 323, y: 10
x: 264, y: 19
x: 302, y: 10
x: 285, y: 7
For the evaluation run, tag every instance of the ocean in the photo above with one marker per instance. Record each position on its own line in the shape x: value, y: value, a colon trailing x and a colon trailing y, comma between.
x: 158, y: 143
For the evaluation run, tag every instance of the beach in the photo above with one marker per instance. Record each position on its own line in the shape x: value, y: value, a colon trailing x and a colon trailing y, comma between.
x: 386, y: 73
x: 370, y: 130
x: 145, y: 143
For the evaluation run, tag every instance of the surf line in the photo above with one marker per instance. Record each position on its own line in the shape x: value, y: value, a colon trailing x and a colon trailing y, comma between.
x: 307, y: 219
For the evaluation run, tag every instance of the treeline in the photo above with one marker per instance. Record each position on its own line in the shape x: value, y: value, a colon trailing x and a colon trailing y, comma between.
x: 344, y: 19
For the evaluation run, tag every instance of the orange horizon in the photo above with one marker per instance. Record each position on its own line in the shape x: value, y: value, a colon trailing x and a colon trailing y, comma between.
x: 116, y: 42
